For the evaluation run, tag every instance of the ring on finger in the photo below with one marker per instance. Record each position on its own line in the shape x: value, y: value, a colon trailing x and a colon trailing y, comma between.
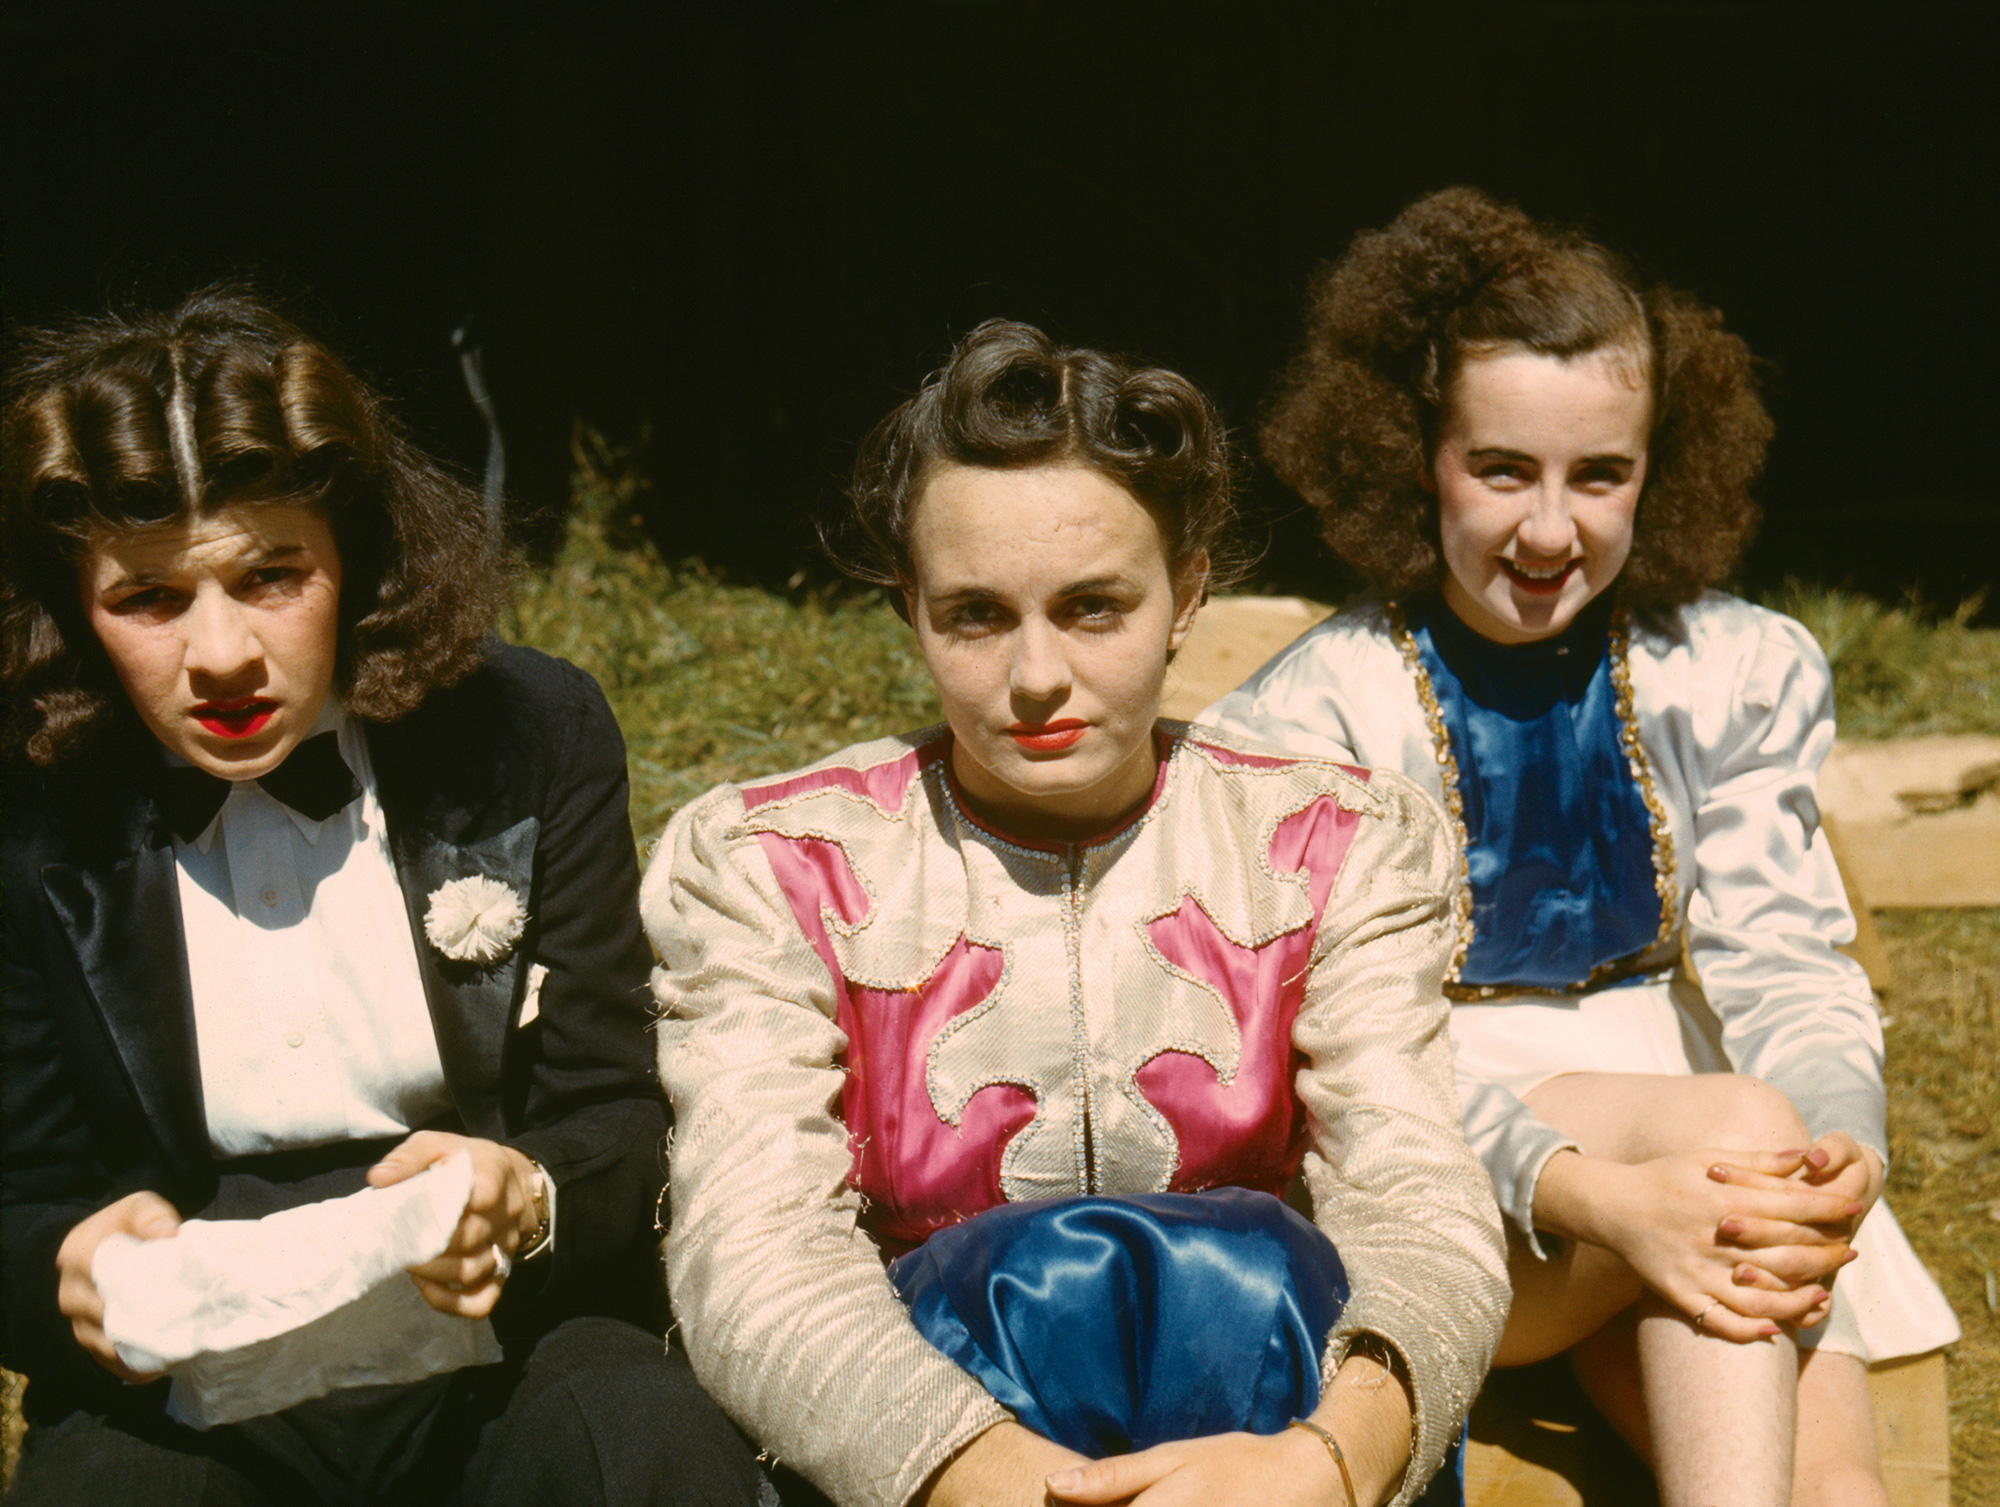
x: 1701, y: 1319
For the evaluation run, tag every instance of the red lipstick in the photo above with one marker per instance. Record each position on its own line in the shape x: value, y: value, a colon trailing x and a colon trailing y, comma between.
x: 240, y: 717
x: 1047, y: 737
x: 1541, y: 586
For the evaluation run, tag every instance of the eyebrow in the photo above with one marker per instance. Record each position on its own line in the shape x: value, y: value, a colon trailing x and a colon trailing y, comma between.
x: 270, y: 556
x: 1501, y: 452
x: 983, y: 593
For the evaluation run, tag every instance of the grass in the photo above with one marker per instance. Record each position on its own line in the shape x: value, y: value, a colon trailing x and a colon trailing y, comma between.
x: 713, y: 681
x: 710, y: 681
x: 1905, y: 670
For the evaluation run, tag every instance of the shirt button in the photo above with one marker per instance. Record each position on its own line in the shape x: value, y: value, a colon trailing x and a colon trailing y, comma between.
x: 270, y: 897
x: 295, y: 1038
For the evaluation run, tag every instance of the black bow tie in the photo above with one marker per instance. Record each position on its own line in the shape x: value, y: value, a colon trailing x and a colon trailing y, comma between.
x: 314, y: 781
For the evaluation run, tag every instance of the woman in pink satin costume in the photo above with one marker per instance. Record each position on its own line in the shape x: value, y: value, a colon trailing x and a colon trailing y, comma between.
x: 1059, y: 956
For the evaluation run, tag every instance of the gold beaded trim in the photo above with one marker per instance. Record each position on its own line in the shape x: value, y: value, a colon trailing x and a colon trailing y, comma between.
x: 1665, y: 881
x: 1454, y: 803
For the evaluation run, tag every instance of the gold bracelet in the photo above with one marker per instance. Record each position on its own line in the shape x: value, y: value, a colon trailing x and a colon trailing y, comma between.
x: 1333, y: 1449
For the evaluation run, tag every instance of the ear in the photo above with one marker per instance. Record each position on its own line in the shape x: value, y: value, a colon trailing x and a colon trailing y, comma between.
x: 1190, y: 590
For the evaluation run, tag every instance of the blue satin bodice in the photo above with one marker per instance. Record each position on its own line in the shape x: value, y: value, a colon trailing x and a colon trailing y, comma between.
x: 1559, y: 848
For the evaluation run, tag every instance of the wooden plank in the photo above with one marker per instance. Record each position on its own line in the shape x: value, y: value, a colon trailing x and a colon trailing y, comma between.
x: 1537, y: 1442
x: 1912, y: 1430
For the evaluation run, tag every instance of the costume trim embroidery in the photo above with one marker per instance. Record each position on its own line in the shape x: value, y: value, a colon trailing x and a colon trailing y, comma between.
x: 1454, y: 803
x: 1086, y: 1174
x: 1665, y: 880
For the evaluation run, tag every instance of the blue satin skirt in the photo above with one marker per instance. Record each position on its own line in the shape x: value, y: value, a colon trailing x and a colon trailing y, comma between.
x: 1114, y: 1324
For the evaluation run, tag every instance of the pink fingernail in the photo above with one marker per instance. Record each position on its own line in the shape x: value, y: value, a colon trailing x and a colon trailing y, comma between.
x: 1852, y: 1255
x: 1065, y: 1480
x: 1729, y: 1227
x: 1793, y: 1155
x: 1719, y: 1173
x: 1772, y: 1331
x: 1855, y: 1208
x: 1818, y: 1157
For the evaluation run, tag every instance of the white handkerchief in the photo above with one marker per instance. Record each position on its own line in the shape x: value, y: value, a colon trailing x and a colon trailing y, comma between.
x: 254, y: 1315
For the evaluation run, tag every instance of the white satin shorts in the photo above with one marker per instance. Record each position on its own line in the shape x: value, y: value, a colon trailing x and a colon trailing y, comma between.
x: 1885, y: 1304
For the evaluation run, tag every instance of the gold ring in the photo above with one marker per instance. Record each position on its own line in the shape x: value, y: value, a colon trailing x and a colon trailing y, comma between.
x: 1701, y: 1318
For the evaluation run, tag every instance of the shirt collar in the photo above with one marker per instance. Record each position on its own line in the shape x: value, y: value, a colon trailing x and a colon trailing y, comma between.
x: 332, y: 718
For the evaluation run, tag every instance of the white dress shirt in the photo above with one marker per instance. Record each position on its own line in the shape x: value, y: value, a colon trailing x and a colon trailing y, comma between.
x: 310, y: 1015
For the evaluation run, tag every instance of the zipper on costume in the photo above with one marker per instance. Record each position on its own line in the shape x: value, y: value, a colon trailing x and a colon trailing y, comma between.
x: 1079, y: 1027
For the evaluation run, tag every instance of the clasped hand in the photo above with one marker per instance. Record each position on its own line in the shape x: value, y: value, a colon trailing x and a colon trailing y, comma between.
x: 1368, y: 1409
x: 1749, y: 1242
x: 1010, y: 1467
x: 465, y: 1280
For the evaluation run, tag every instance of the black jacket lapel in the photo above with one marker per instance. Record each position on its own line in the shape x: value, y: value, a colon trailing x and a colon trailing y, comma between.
x: 457, y: 806
x: 124, y: 923
x: 472, y: 1005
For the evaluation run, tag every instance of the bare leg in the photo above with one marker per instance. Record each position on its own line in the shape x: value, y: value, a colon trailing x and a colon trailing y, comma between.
x: 1607, y: 1367
x: 1649, y: 1370
x: 1563, y: 1301
x: 1834, y: 1462
x: 1720, y: 1417
x: 1837, y: 1461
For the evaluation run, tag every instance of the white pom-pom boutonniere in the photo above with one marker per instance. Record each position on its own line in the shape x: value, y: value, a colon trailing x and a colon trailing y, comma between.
x: 474, y: 920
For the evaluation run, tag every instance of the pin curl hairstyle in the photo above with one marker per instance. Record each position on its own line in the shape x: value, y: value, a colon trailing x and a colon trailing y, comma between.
x: 115, y: 425
x: 1010, y: 398
x: 1354, y: 421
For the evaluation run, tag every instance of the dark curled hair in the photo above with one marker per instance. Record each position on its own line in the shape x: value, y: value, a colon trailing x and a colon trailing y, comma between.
x: 1010, y: 398
x: 1354, y: 420
x: 118, y: 424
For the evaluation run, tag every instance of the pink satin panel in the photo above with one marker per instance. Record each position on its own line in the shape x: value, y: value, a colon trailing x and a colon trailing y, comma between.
x: 1237, y: 1134
x: 1236, y: 756
x: 814, y: 873
x: 887, y: 785
x: 918, y: 1173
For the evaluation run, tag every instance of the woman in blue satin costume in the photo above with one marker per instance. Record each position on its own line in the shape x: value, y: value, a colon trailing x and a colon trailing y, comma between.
x: 1051, y: 1004
x: 1541, y: 465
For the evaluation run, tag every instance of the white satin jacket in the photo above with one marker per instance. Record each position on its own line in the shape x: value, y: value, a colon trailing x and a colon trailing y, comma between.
x: 882, y: 1016
x: 1728, y: 714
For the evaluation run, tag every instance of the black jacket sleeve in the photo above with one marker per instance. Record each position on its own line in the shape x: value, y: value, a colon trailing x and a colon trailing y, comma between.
x: 593, y: 1112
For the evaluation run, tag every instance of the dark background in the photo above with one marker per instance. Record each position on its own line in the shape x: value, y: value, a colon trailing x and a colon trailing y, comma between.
x: 757, y: 225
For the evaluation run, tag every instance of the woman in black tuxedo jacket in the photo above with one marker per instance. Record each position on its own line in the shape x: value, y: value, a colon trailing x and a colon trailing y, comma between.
x: 309, y: 883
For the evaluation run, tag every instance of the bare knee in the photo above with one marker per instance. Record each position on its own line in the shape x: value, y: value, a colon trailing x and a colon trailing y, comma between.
x: 1748, y: 1113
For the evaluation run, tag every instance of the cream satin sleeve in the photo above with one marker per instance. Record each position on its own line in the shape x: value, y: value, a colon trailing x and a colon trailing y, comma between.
x: 1318, y: 694
x: 782, y: 1302
x: 1341, y: 691
x: 1768, y: 907
x: 1393, y: 1183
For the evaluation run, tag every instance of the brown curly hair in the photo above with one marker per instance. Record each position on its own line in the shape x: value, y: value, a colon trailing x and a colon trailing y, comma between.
x: 1010, y: 397
x: 1353, y: 421
x: 116, y: 424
